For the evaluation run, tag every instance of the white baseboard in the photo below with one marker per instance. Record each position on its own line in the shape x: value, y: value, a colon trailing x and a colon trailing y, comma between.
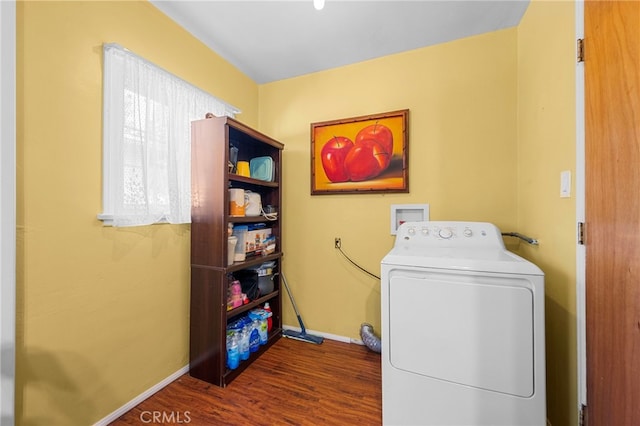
x: 329, y: 336
x: 144, y: 395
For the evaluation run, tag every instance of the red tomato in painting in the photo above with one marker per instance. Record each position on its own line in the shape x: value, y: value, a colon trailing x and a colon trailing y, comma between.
x: 366, y: 160
x: 378, y: 132
x: 333, y: 156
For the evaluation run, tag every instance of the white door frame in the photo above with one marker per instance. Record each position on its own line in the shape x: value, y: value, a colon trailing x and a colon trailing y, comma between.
x: 7, y: 210
x: 580, y: 216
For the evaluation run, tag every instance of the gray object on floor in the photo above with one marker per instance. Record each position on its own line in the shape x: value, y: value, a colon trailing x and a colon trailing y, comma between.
x: 302, y: 334
x: 369, y: 338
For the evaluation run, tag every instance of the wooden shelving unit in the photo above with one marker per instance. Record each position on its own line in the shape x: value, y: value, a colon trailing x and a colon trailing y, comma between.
x: 210, y: 181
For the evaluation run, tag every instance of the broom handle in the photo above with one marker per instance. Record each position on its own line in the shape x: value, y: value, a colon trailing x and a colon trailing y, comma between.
x: 293, y: 302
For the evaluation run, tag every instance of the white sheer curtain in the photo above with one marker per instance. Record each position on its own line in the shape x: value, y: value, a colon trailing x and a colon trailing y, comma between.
x: 147, y: 142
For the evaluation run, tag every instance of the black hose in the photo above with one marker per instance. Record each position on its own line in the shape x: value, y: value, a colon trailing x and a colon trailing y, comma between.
x: 530, y: 240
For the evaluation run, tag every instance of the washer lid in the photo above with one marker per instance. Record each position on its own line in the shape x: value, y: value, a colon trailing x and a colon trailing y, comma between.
x: 499, y: 261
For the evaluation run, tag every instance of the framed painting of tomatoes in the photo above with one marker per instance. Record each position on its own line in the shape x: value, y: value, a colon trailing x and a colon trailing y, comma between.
x: 367, y: 154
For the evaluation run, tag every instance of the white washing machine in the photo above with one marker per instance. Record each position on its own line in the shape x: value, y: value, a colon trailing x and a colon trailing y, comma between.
x: 462, y: 329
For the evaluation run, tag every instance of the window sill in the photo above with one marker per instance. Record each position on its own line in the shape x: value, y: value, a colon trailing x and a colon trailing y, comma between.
x: 107, y: 220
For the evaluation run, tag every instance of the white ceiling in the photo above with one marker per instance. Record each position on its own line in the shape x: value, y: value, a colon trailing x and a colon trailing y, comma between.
x: 273, y: 40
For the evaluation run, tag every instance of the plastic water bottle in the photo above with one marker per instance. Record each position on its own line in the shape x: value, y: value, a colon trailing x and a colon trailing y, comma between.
x: 254, y: 337
x: 244, y: 343
x: 269, y: 320
x: 233, y: 353
x: 264, y: 334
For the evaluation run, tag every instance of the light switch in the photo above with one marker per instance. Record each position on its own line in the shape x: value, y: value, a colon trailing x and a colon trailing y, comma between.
x: 565, y: 184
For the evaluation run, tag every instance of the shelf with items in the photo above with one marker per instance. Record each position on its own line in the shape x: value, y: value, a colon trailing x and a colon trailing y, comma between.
x: 254, y: 304
x: 260, y: 203
x: 252, y: 261
x: 250, y: 329
x: 253, y: 240
x: 250, y: 219
x: 230, y: 374
x: 252, y: 286
x: 251, y: 181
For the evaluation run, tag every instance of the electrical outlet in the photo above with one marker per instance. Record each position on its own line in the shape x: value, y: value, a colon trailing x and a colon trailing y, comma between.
x: 338, y: 243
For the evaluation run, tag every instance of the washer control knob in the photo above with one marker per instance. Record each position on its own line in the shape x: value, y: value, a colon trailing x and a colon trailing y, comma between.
x: 467, y: 232
x: 425, y: 231
x: 445, y: 233
x: 412, y: 231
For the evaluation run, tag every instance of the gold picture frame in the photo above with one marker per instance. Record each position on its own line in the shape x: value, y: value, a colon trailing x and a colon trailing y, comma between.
x: 361, y: 155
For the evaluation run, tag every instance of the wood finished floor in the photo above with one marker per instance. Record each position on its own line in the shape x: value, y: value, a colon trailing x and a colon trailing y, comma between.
x: 293, y: 383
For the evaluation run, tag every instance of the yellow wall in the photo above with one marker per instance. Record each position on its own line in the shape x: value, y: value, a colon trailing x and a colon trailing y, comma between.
x: 102, y: 313
x: 462, y: 148
x: 546, y: 146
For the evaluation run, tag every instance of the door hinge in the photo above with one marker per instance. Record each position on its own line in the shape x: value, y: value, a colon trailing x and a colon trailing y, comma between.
x: 580, y: 50
x: 581, y: 233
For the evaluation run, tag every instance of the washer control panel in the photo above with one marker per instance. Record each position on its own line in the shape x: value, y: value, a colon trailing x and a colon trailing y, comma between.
x: 449, y: 234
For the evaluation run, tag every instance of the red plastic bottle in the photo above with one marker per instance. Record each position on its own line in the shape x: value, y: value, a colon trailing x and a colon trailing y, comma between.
x: 269, y: 320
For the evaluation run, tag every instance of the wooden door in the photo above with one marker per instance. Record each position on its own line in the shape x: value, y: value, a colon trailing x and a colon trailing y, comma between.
x: 612, y: 178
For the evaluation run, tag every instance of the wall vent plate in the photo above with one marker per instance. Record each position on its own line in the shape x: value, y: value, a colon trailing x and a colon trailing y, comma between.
x: 401, y: 213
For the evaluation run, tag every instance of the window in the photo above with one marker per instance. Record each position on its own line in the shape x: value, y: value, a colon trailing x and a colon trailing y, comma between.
x: 147, y: 141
